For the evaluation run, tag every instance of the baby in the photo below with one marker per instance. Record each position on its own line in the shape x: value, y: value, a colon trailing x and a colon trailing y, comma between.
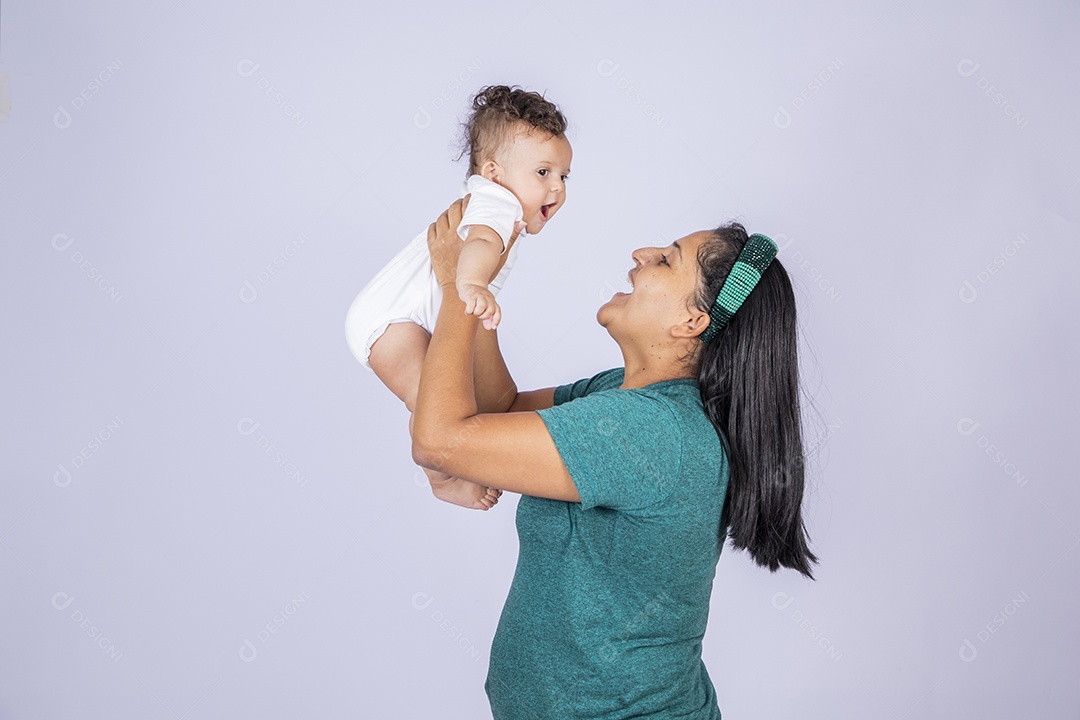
x: 519, y: 159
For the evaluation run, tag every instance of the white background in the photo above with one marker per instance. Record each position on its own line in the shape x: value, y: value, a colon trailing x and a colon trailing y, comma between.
x: 209, y: 508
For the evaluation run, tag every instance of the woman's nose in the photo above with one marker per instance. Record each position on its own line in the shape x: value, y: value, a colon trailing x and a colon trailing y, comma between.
x: 641, y: 255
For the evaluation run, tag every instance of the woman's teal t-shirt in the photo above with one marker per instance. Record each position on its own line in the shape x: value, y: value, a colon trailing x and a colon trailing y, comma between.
x: 608, y: 606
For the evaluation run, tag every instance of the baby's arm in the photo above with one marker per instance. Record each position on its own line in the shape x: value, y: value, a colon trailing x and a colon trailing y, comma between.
x: 477, y: 262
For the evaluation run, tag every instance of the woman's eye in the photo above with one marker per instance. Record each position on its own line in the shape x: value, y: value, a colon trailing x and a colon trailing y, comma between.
x: 663, y: 259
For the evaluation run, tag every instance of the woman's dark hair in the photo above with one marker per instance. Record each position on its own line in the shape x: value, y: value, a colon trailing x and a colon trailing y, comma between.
x: 749, y: 382
x: 495, y: 110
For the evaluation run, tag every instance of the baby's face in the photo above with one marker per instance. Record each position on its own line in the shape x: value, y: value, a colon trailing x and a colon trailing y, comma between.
x: 534, y: 167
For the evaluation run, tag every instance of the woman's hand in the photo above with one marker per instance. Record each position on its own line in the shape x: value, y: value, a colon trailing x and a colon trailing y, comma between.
x: 444, y: 244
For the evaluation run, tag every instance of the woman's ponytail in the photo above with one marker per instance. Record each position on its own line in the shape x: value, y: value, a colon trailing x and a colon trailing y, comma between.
x: 749, y: 382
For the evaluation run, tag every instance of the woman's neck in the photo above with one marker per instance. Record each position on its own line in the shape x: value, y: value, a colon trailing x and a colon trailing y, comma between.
x: 643, y: 369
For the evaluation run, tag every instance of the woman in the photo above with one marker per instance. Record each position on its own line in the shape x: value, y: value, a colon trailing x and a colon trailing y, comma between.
x: 630, y: 480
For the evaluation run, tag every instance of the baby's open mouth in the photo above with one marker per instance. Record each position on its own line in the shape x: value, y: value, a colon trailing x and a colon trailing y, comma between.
x: 545, y: 210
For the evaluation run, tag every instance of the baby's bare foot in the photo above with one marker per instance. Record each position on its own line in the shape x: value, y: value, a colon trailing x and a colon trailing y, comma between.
x: 460, y: 492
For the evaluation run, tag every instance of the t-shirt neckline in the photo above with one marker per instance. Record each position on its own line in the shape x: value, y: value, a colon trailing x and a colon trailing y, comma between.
x: 660, y: 382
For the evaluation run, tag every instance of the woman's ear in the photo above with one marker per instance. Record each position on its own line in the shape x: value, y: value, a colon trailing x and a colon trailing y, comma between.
x: 695, y: 324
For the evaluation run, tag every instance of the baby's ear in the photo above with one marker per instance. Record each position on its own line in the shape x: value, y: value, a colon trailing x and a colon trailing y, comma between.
x: 491, y: 171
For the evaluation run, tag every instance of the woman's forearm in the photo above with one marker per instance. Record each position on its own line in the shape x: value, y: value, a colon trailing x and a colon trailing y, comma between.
x: 495, y: 389
x: 446, y: 397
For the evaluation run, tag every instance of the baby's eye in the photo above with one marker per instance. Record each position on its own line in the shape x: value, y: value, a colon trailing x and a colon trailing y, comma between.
x: 543, y: 172
x: 565, y: 177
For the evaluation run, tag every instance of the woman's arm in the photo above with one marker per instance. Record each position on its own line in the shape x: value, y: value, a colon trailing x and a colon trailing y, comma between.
x: 496, y: 390
x: 509, y: 451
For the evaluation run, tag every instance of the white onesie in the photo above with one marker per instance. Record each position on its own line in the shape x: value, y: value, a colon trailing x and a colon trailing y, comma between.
x: 406, y: 289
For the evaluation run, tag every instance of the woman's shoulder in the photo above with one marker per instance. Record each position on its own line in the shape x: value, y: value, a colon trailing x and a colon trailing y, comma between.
x: 683, y: 402
x: 672, y: 407
x: 628, y: 449
x: 609, y: 379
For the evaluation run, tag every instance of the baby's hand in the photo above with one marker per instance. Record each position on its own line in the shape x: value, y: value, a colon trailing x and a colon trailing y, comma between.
x: 481, y: 302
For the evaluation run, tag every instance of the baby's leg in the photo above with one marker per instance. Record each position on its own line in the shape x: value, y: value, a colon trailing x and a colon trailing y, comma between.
x: 397, y: 357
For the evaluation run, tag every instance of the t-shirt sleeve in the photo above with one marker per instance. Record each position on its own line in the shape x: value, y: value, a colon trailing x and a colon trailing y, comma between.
x: 603, y: 380
x: 622, y: 448
x: 490, y: 204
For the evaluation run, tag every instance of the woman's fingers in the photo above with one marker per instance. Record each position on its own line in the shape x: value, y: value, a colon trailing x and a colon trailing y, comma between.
x: 457, y: 209
x: 444, y: 244
x: 442, y: 225
x: 450, y: 219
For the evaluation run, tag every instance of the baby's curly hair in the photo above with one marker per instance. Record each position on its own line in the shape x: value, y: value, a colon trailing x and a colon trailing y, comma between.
x: 495, y: 110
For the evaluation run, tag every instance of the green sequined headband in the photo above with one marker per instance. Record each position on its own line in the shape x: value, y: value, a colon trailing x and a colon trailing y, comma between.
x: 745, y: 273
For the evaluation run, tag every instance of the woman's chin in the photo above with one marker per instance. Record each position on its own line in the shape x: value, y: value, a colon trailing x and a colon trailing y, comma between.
x: 608, y: 309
